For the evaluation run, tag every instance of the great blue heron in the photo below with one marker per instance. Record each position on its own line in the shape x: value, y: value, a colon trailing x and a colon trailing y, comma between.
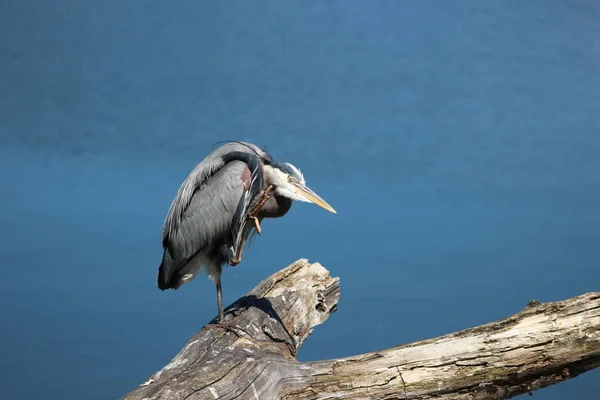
x: 221, y: 202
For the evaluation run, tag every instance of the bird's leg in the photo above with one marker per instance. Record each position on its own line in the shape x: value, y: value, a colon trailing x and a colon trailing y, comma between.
x: 252, y: 215
x: 220, y: 299
x: 256, y: 209
x: 220, y: 321
x: 237, y: 258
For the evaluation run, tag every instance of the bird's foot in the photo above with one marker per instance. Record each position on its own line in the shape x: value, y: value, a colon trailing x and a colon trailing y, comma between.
x: 253, y: 214
x: 225, y: 326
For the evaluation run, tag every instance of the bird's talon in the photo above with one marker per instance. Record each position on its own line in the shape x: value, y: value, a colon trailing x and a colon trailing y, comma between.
x: 256, y: 224
x: 230, y: 328
x: 225, y: 326
x: 256, y: 209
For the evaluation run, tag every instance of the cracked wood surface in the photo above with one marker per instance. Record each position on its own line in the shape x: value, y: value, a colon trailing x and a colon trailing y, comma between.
x: 544, y: 344
x: 256, y: 358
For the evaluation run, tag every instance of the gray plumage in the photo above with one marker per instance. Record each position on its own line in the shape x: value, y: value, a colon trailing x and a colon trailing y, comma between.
x: 210, y: 218
x: 199, y: 175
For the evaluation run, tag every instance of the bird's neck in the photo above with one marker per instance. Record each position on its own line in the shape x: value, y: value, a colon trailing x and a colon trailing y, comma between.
x: 277, y: 206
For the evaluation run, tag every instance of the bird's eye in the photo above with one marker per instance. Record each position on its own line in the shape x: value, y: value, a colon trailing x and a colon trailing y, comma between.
x: 291, y: 179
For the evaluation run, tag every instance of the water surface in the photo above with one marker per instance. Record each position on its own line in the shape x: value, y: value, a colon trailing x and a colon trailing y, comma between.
x: 458, y: 141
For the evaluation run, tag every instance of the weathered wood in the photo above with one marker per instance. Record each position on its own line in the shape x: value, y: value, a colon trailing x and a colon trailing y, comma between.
x: 542, y: 345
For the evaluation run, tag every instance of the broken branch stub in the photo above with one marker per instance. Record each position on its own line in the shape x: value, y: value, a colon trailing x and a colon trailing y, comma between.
x: 268, y: 326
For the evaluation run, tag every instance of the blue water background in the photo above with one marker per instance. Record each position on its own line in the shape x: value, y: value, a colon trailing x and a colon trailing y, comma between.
x: 458, y: 141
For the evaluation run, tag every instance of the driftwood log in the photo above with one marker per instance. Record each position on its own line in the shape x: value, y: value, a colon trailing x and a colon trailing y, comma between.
x: 544, y: 344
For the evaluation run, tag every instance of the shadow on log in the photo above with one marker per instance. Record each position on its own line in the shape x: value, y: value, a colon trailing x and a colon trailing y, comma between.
x: 544, y: 344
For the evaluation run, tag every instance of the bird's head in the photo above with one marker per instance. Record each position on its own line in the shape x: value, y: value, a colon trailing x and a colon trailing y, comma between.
x: 289, y: 182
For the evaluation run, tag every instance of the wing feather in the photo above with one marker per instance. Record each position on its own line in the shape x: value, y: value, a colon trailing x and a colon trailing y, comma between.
x: 204, y: 170
x: 210, y: 213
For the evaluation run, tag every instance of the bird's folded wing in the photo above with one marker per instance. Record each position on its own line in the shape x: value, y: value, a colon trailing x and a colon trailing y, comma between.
x: 208, y: 167
x: 212, y: 211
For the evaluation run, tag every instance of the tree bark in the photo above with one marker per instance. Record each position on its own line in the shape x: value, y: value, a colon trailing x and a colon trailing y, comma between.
x: 253, y: 356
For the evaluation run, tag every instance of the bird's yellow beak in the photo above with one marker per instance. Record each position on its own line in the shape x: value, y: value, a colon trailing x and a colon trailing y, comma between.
x: 312, y: 197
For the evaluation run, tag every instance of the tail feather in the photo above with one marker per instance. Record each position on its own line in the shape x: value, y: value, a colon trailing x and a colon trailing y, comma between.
x: 165, y: 272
